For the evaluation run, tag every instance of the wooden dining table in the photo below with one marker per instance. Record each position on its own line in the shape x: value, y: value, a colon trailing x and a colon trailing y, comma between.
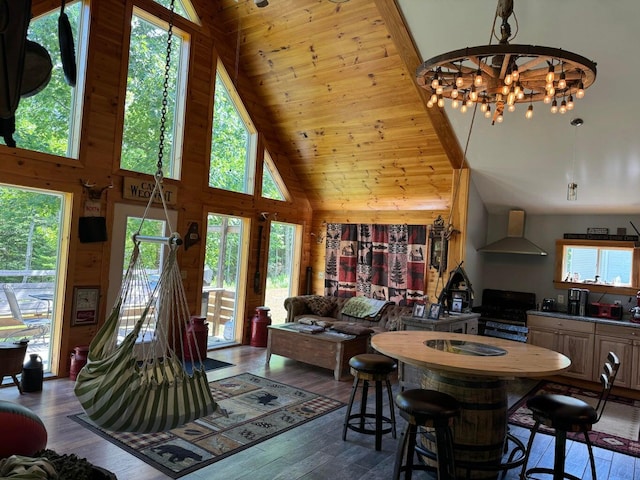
x: 475, y: 370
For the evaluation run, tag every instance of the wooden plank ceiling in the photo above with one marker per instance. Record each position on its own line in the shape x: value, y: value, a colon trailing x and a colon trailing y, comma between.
x: 334, y: 81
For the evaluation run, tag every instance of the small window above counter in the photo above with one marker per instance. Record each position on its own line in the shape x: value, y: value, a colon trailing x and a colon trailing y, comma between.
x: 583, y: 263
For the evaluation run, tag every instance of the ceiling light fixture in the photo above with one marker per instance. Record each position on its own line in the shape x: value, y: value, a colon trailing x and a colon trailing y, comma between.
x: 572, y: 187
x: 504, y: 75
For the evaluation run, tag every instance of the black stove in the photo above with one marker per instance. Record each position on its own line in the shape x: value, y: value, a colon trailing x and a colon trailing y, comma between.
x: 505, y: 306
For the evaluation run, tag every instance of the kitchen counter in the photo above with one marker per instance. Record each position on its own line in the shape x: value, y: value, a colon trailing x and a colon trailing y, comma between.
x: 625, y: 322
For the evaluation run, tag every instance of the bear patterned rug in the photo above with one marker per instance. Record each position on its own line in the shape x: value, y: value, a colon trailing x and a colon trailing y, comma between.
x: 257, y: 410
x: 617, y: 430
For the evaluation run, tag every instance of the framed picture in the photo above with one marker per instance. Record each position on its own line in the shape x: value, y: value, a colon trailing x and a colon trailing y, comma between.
x: 418, y: 310
x: 86, y: 301
x: 434, y: 311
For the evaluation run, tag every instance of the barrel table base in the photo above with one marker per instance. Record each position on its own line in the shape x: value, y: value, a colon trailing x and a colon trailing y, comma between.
x: 481, y: 431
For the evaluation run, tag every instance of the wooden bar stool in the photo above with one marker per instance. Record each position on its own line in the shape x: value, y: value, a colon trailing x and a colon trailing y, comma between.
x: 433, y: 409
x: 371, y: 367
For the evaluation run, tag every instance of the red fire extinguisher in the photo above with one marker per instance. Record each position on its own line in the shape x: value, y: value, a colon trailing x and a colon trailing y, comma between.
x: 259, y: 323
x: 195, y: 339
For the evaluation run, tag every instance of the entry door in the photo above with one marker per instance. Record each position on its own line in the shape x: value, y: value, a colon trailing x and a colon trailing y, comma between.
x: 126, y: 221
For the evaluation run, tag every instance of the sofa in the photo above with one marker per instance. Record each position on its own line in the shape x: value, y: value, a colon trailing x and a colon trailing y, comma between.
x: 324, y: 310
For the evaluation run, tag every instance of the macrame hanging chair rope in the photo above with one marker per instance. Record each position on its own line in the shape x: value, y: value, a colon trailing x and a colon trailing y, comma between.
x: 141, y: 385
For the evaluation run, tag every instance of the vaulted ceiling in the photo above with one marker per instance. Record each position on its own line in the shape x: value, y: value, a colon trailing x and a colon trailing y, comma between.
x: 337, y: 83
x: 344, y: 106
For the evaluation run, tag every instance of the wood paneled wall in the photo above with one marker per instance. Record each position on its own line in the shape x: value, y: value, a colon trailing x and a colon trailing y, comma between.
x: 88, y: 263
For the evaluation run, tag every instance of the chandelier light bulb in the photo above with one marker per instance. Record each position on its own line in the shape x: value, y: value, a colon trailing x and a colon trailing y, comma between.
x: 514, y: 73
x: 511, y: 98
x: 580, y: 92
x: 439, y: 90
x: 463, y: 108
x: 550, y: 74
x: 508, y: 79
x: 554, y: 106
x: 529, y: 113
x: 473, y: 96
x: 505, y: 89
x: 459, y: 80
x: 434, y: 98
x: 547, y: 99
x: 511, y: 108
x: 455, y: 104
x: 454, y: 93
x: 570, y: 103
x: 551, y: 91
x: 562, y: 83
x: 477, y: 80
x: 435, y: 83
x: 440, y: 101
x: 487, y: 114
x: 563, y: 107
x: 429, y: 104
x: 484, y: 105
x: 499, y: 119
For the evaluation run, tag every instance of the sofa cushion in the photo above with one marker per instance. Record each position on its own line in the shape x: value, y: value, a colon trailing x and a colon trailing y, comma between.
x: 321, y: 306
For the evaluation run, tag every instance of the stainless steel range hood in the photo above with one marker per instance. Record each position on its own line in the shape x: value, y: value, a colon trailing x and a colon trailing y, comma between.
x: 514, y: 242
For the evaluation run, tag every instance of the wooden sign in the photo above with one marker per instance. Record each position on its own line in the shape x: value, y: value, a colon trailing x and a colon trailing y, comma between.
x: 140, y: 189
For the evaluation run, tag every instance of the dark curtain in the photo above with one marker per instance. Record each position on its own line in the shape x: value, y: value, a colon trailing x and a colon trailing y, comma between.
x: 384, y: 262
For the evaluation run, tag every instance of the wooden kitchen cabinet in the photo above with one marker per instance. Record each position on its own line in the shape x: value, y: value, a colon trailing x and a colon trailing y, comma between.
x: 625, y: 343
x: 573, y: 338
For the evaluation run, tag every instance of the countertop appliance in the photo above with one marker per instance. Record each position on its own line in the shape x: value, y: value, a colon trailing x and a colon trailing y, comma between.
x: 548, y: 305
x: 573, y: 307
x: 605, y: 310
x: 504, y: 306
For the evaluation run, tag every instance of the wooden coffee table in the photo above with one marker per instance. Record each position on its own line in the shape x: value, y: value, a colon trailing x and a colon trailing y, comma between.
x: 328, y: 349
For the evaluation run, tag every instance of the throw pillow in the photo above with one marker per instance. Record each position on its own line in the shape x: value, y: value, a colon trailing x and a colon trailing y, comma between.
x: 351, y: 328
x: 319, y: 305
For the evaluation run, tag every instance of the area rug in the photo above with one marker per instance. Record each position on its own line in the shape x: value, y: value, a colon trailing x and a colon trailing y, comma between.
x: 618, y: 429
x: 209, y: 364
x: 257, y: 409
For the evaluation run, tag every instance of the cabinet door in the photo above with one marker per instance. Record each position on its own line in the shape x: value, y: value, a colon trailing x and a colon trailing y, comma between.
x: 578, y: 347
x: 635, y: 371
x: 543, y: 337
x: 623, y: 348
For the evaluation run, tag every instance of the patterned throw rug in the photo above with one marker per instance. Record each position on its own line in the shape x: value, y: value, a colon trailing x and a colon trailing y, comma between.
x: 257, y: 409
x: 617, y: 430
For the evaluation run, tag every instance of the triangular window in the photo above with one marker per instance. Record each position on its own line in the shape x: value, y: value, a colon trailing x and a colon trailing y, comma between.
x: 182, y: 8
x: 272, y: 185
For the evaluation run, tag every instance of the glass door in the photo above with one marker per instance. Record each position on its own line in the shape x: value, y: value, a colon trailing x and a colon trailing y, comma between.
x: 282, y: 268
x: 222, y: 275
x: 126, y: 222
x: 34, y: 228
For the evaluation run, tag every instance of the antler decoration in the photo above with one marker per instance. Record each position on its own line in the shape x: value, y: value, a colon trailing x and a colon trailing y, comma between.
x: 94, y: 193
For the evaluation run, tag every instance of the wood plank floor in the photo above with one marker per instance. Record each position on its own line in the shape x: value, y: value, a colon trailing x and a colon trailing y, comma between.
x: 312, y: 451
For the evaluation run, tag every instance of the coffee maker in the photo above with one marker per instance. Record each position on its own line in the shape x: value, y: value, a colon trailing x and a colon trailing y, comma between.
x: 584, y: 301
x: 573, y: 307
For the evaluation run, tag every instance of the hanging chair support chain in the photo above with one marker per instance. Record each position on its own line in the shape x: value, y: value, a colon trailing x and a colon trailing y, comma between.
x: 174, y: 239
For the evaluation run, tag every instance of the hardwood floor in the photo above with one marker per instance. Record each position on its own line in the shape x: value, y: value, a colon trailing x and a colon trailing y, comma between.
x: 312, y: 451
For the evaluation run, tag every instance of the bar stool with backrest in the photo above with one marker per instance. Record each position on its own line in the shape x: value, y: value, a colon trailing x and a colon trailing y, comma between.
x: 568, y: 414
x: 371, y: 367
x: 431, y: 409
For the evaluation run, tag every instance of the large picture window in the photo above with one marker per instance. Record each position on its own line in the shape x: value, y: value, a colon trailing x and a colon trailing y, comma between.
x: 58, y: 106
x: 143, y: 102
x: 233, y: 140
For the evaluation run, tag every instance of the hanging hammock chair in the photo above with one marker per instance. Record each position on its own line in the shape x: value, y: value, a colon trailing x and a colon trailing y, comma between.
x: 135, y: 378
x: 140, y: 384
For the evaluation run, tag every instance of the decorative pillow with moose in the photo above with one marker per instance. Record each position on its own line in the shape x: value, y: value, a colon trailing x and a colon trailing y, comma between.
x: 319, y: 305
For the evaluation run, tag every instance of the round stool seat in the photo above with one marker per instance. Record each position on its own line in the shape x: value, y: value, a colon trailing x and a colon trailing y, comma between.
x: 561, y: 411
x: 425, y: 405
x: 372, y: 363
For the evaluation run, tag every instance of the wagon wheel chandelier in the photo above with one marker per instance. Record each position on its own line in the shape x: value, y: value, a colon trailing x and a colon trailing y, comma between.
x: 499, y: 76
